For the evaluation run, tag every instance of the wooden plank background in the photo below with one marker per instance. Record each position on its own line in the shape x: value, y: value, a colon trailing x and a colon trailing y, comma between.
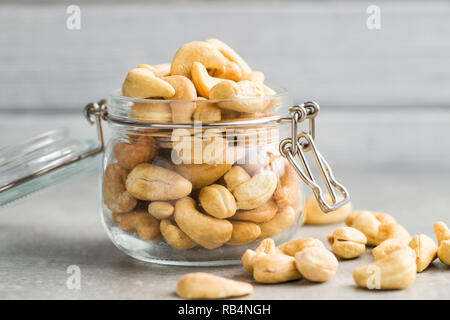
x: 318, y: 50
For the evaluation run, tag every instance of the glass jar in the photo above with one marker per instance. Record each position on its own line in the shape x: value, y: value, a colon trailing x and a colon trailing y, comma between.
x: 201, y: 192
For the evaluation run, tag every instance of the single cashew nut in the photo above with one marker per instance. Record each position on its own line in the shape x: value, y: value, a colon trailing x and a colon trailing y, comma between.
x: 292, y: 247
x: 115, y: 195
x: 203, y: 174
x: 202, y: 80
x: 205, y: 230
x: 235, y: 177
x: 275, y: 268
x: 387, y: 247
x: 158, y: 112
x: 231, y: 55
x: 217, y: 201
x: 142, y: 83
x: 284, y: 218
x: 174, y: 236
x: 392, y: 230
x: 316, y: 263
x: 141, y: 223
x: 347, y: 242
x: 149, y: 182
x: 206, y: 54
x: 160, y: 70
x: 263, y: 213
x: 256, y: 191
x: 267, y: 246
x: 200, y: 285
x: 184, y: 90
x: 384, y: 217
x: 425, y: 249
x: 206, y: 111
x: 365, y: 222
x: 395, y: 271
x: 243, y: 232
x: 255, y: 76
x: 288, y: 191
x: 443, y: 236
x: 244, y: 90
x: 130, y: 155
x: 314, y: 215
x: 160, y: 209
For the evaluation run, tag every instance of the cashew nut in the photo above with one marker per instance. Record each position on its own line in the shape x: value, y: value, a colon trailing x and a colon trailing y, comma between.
x: 161, y: 70
x: 202, y: 80
x: 206, y: 54
x: 157, y: 112
x: 267, y: 246
x: 217, y: 201
x: 347, y: 242
x: 316, y: 263
x: 365, y: 222
x: 275, y: 268
x: 203, y: 174
x: 443, y: 236
x: 288, y: 191
x: 397, y: 270
x: 243, y: 232
x: 142, y: 83
x: 130, y: 155
x: 149, y: 182
x: 115, y: 196
x: 263, y: 213
x: 231, y: 55
x: 425, y: 249
x: 174, y: 236
x: 184, y: 90
x: 160, y: 209
x: 201, y: 285
x: 256, y: 191
x: 235, y: 177
x: 247, y: 91
x: 141, y: 223
x: 384, y: 217
x: 205, y: 230
x: 314, y: 215
x: 292, y: 247
x: 284, y: 218
x: 206, y: 111
x: 392, y: 230
x: 255, y: 76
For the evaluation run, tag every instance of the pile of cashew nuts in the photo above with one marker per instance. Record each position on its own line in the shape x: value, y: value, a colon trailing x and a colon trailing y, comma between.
x: 206, y: 203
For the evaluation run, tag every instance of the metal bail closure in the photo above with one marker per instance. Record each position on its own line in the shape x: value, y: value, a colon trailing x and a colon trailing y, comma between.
x: 299, y: 144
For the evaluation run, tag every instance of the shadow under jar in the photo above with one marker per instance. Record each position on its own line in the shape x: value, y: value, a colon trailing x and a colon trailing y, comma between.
x: 198, y: 191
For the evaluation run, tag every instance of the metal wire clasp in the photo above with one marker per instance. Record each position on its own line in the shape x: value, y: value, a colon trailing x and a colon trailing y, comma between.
x: 302, y: 142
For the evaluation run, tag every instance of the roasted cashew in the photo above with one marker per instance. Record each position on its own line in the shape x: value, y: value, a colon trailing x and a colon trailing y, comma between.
x: 314, y: 215
x: 292, y: 247
x: 425, y: 249
x: 247, y: 91
x: 130, y: 155
x: 267, y: 246
x: 397, y: 270
x: 158, y: 112
x: 231, y: 55
x: 263, y: 213
x: 174, y: 236
x: 115, y: 195
x: 256, y: 191
x: 205, y: 230
x: 235, y: 177
x: 347, y: 242
x: 243, y: 232
x: 392, y: 230
x: 284, y: 218
x: 206, y: 54
x: 149, y: 182
x: 316, y: 263
x: 275, y: 268
x: 206, y: 111
x: 365, y: 222
x: 387, y: 247
x: 384, y: 217
x: 443, y: 236
x: 255, y: 76
x: 202, y: 175
x: 217, y: 201
x: 160, y: 209
x: 141, y: 223
x: 201, y: 285
x: 288, y: 191
x: 202, y: 80
x: 184, y: 90
x: 142, y: 83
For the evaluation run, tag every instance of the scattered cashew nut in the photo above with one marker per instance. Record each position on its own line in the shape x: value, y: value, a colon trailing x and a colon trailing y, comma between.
x: 347, y: 242
x: 425, y: 249
x: 365, y: 222
x: 292, y: 247
x: 392, y: 230
x: 316, y: 263
x: 443, y: 236
x: 314, y: 215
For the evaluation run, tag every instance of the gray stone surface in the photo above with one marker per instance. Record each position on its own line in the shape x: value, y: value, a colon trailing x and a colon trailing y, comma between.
x: 42, y: 235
